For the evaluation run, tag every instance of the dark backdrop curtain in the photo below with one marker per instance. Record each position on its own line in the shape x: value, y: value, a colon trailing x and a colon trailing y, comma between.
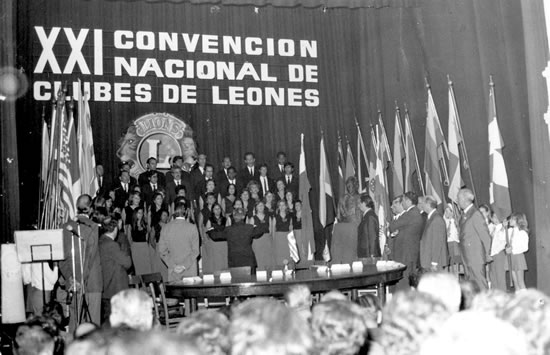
x: 368, y: 59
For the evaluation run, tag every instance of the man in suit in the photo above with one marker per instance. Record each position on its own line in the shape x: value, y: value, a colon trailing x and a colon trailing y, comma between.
x: 179, y: 245
x: 82, y: 267
x: 122, y: 189
x: 173, y: 184
x: 278, y: 170
x: 250, y: 171
x: 406, y: 232
x: 222, y: 174
x: 475, y: 240
x: 127, y: 166
x: 232, y: 178
x: 433, y: 245
x: 291, y: 181
x: 368, y: 240
x: 103, y: 183
x: 177, y: 161
x: 197, y: 170
x: 114, y: 264
x: 266, y: 184
x: 239, y: 237
x: 200, y: 187
x: 151, y: 166
x: 152, y: 185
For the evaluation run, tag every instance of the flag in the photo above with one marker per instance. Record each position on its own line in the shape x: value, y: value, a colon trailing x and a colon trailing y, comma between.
x: 326, y: 202
x: 69, y: 176
x: 45, y: 153
x: 435, y: 154
x: 341, y: 169
x: 455, y: 140
x: 86, y: 155
x: 293, y: 247
x: 373, y: 156
x: 383, y: 144
x: 362, y: 160
x: 350, y: 163
x: 380, y: 188
x: 303, y: 195
x: 498, y: 187
x: 413, y: 177
x: 398, y: 155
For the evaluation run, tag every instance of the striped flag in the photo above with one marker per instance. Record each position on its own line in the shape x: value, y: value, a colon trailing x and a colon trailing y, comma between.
x: 398, y: 156
x: 341, y: 169
x: 455, y: 140
x: 362, y: 160
x: 86, y: 155
x: 326, y: 197
x: 413, y: 177
x: 435, y: 154
x: 381, y: 196
x: 69, y: 176
x: 373, y: 156
x: 350, y: 163
x: 303, y: 195
x: 498, y: 187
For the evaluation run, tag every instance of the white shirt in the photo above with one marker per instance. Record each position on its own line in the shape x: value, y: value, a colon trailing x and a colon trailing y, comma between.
x: 251, y: 170
x: 265, y: 186
x: 519, y: 239
x: 498, y: 242
x: 468, y: 208
x: 431, y: 213
x: 32, y: 273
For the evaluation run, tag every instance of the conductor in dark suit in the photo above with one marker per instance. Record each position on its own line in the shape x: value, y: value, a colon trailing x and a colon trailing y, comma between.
x: 368, y: 240
x: 407, y: 231
x: 250, y: 171
x: 475, y: 240
x: 114, y: 265
x: 433, y: 245
x: 82, y: 267
x: 239, y: 237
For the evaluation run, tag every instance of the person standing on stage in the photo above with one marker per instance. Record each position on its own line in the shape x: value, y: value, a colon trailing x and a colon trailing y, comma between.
x: 179, y: 245
x: 82, y: 267
x: 250, y: 171
x: 406, y: 232
x: 434, y: 254
x: 368, y: 240
x: 475, y: 240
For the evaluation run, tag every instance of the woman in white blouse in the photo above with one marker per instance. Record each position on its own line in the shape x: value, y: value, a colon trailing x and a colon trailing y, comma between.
x: 519, y: 244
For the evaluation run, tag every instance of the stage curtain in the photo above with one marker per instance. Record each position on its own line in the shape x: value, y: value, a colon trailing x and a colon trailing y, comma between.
x: 369, y: 58
x: 9, y: 188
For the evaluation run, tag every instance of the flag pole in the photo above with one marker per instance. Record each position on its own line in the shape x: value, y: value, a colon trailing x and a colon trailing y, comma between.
x: 42, y: 178
x: 463, y: 145
x: 418, y: 175
x: 333, y: 199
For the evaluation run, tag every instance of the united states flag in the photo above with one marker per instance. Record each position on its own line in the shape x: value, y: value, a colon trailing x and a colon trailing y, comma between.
x: 69, y: 175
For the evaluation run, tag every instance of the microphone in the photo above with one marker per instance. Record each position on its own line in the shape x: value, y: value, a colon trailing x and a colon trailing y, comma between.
x: 71, y: 229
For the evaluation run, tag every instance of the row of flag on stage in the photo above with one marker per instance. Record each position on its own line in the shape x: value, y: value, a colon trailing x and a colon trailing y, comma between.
x: 446, y: 163
x: 68, y: 160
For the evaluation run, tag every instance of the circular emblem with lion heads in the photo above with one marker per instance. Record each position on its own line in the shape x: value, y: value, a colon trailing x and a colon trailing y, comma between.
x: 158, y: 135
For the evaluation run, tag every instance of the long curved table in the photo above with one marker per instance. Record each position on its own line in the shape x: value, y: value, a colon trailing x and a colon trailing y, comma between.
x: 250, y: 285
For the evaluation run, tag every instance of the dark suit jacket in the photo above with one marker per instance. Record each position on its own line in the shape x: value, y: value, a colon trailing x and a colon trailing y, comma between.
x: 406, y: 247
x: 147, y: 193
x: 88, y: 232
x: 275, y: 173
x: 293, y: 186
x: 271, y: 187
x: 368, y: 239
x: 143, y: 178
x: 433, y: 245
x: 105, y: 186
x: 475, y: 240
x: 239, y: 238
x: 220, y: 176
x: 196, y: 176
x: 121, y: 196
x: 245, y: 176
x: 114, y: 263
x: 171, y: 189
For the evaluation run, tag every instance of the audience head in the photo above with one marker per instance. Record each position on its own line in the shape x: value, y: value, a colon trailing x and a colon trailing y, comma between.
x: 465, y: 198
x: 372, y: 308
x: 409, y: 319
x: 333, y: 295
x: 338, y: 327
x: 133, y: 308
x: 444, y: 286
x: 265, y: 326
x: 298, y: 297
x: 469, y: 290
x: 475, y: 333
x: 209, y: 329
x: 39, y: 335
x: 180, y: 209
x: 490, y: 301
x: 529, y: 312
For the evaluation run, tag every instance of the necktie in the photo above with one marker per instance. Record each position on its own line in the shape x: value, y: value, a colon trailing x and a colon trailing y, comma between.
x: 154, y: 187
x: 264, y: 185
x: 177, y: 183
x: 125, y: 187
x: 251, y: 171
x: 288, y: 179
